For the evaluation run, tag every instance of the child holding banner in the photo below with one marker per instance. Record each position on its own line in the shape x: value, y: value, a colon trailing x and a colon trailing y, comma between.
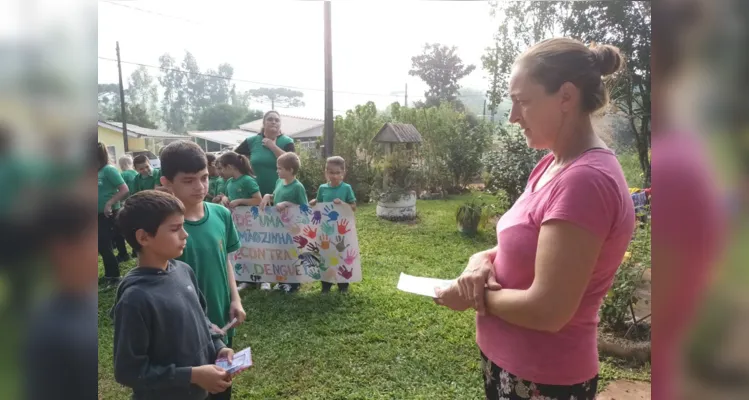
x: 212, y: 235
x: 242, y: 188
x: 336, y: 191
x: 289, y: 191
x: 157, y: 302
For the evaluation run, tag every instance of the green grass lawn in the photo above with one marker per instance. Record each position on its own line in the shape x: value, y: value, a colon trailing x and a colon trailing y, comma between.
x: 372, y: 343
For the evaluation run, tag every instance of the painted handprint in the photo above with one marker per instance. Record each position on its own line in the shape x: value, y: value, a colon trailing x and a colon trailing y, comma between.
x: 328, y: 229
x: 255, y: 278
x: 324, y: 242
x: 340, y: 244
x: 313, y: 272
x: 305, y: 209
x: 309, y: 232
x: 350, y: 256
x: 302, y: 219
x: 313, y: 247
x: 295, y: 229
x: 343, y: 227
x: 316, y: 216
x: 285, y: 217
x: 255, y: 212
x: 300, y: 241
x: 345, y: 273
x: 330, y: 213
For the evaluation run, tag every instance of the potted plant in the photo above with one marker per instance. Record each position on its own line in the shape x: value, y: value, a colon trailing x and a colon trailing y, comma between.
x: 396, y: 197
x: 469, y: 217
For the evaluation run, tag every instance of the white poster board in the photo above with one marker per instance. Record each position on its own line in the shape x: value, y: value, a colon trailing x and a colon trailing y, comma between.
x: 301, y: 244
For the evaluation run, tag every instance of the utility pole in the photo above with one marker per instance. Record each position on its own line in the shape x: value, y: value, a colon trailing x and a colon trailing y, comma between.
x: 122, y: 100
x: 328, y: 127
x: 405, y: 102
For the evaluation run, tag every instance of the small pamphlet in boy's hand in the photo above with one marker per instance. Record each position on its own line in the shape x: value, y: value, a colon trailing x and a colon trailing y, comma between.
x: 420, y: 285
x: 241, y: 361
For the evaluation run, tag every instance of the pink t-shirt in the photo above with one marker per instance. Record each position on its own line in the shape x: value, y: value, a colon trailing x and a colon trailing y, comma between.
x: 592, y: 193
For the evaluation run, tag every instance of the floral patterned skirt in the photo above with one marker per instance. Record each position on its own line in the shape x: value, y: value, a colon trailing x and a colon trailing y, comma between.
x: 502, y: 385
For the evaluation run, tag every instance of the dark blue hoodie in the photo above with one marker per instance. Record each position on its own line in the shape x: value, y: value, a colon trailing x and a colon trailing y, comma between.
x: 161, y: 331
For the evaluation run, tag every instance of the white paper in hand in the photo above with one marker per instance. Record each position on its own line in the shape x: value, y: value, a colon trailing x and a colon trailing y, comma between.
x: 420, y: 285
x: 240, y: 362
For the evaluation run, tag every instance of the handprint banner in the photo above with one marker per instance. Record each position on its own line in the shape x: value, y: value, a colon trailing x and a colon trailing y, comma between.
x: 300, y: 244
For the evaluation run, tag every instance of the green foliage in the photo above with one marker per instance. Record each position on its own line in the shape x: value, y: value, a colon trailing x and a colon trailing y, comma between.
x: 284, y: 97
x: 136, y: 115
x: 508, y: 166
x: 615, y: 310
x: 398, y: 176
x: 221, y: 117
x: 353, y: 141
x: 469, y: 216
x: 312, y: 172
x: 453, y: 144
x: 441, y: 69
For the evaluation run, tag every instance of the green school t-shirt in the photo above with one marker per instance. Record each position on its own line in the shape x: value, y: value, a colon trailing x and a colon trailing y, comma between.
x: 148, y: 183
x: 241, y: 188
x: 212, y: 187
x: 209, y: 241
x: 293, y: 192
x: 109, y: 180
x: 263, y: 161
x: 129, y: 177
x: 220, y: 186
x: 327, y: 193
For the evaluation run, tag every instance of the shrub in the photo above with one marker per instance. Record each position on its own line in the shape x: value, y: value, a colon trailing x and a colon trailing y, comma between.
x: 509, y: 165
x: 615, y: 310
x: 312, y: 172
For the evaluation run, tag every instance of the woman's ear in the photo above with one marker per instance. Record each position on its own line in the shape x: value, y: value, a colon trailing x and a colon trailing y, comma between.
x: 569, y: 96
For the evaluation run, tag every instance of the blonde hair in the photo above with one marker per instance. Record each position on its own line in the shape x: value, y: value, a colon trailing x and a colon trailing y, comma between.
x: 290, y: 161
x: 553, y: 62
x: 126, y: 161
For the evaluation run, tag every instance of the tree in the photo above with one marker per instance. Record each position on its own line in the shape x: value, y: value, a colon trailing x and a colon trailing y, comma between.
x: 622, y: 24
x: 142, y: 91
x: 174, y: 104
x: 221, y: 117
x: 497, y: 62
x: 286, y: 98
x: 252, y: 115
x: 109, y: 100
x: 194, y: 88
x: 136, y: 115
x: 441, y: 69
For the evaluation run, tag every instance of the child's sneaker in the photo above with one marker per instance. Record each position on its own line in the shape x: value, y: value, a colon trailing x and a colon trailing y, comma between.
x: 242, y: 286
x: 265, y: 286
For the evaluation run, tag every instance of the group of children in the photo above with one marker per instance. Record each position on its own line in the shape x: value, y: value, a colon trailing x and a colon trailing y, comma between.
x: 232, y: 184
x: 184, y: 285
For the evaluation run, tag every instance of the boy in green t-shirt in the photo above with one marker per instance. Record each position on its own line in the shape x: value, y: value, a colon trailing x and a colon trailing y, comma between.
x: 289, y: 191
x: 336, y: 191
x: 147, y: 179
x: 211, y: 233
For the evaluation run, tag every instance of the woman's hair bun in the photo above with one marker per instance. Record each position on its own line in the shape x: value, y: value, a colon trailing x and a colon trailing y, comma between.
x: 608, y: 59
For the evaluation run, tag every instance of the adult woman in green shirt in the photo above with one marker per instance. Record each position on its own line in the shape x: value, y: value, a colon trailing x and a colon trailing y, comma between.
x: 264, y: 149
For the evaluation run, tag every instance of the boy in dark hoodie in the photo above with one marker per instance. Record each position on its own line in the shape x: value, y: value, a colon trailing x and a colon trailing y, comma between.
x: 163, y: 344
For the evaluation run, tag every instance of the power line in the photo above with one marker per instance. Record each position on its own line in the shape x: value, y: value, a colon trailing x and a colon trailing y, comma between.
x: 256, y: 82
x: 119, y: 4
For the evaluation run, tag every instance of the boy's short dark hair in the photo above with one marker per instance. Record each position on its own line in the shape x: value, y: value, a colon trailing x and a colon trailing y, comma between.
x: 182, y: 156
x: 146, y: 210
x: 337, y: 161
x: 290, y: 161
x: 211, y: 158
x: 140, y: 159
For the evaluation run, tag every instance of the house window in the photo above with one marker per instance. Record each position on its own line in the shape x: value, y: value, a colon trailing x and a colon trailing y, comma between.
x: 112, y: 153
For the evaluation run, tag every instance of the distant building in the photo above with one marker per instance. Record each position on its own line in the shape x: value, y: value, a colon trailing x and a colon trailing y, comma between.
x: 138, y: 138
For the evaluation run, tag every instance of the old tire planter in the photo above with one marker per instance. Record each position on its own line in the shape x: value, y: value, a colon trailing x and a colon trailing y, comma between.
x: 403, y: 209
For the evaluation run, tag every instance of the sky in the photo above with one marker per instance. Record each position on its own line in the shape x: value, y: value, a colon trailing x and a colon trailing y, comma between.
x: 280, y: 43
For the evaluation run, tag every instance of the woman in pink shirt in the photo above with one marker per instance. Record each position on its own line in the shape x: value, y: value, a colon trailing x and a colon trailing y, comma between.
x: 538, y: 291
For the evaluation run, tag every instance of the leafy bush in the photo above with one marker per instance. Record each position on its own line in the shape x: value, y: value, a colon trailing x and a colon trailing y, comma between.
x: 312, y: 172
x: 509, y: 165
x: 615, y: 310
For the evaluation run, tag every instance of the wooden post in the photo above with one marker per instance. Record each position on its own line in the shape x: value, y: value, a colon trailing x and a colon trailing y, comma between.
x: 328, y: 127
x: 122, y: 100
